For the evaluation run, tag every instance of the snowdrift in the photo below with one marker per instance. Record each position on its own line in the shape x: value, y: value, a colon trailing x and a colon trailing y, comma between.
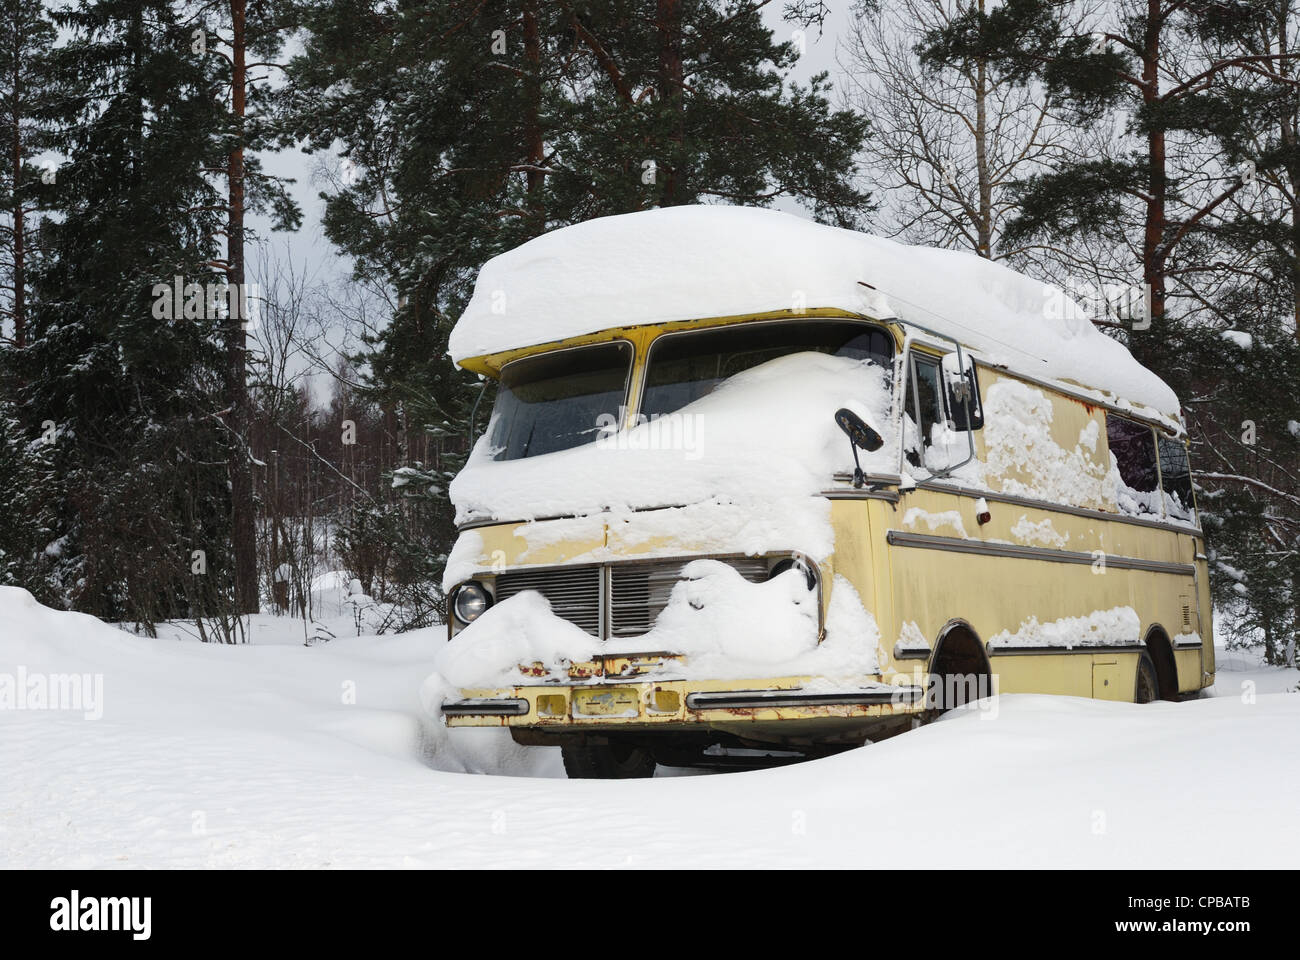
x: 254, y: 756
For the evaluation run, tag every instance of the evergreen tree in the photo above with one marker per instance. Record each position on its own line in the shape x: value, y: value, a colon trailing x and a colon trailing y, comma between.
x: 468, y: 127
x: 128, y: 397
x: 1126, y: 63
x: 26, y: 36
x: 247, y: 38
x: 1204, y: 190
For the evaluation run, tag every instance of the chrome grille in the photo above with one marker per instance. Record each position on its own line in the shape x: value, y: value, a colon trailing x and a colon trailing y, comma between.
x: 573, y: 592
x: 639, y: 591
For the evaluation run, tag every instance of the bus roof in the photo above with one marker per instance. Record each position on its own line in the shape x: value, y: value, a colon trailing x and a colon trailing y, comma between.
x: 699, y: 262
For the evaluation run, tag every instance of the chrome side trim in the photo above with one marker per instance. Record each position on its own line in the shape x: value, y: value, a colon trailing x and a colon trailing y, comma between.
x: 506, y: 707
x: 864, y: 494
x: 1064, y: 651
x: 925, y: 541
x: 911, y: 653
x: 758, y: 699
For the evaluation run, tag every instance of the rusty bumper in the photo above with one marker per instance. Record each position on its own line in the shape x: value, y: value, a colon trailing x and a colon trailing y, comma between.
x: 648, y: 704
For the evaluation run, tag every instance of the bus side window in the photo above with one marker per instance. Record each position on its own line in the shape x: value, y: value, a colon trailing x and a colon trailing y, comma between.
x: 1133, y: 445
x: 924, y: 402
x: 929, y: 399
x: 1176, y: 478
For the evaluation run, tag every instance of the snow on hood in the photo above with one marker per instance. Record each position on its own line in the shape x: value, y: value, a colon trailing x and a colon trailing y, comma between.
x: 724, y: 625
x: 763, y: 440
x: 693, y: 262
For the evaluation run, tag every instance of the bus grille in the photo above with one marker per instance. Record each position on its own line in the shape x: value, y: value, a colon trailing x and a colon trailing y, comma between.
x: 574, y: 592
x: 638, y: 592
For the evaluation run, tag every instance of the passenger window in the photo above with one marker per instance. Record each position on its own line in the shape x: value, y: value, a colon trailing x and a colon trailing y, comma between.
x: 1133, y: 446
x: 928, y: 399
x: 1176, y: 478
x: 934, y: 398
x: 923, y: 405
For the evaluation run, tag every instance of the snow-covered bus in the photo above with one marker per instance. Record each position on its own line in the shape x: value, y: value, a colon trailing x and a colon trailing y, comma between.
x: 754, y: 486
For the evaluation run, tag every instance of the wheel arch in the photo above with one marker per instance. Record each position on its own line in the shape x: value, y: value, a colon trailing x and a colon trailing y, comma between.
x: 959, y: 651
x: 1161, y: 650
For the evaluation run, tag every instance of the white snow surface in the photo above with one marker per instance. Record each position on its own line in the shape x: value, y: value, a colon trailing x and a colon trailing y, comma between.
x: 252, y: 756
x: 692, y: 262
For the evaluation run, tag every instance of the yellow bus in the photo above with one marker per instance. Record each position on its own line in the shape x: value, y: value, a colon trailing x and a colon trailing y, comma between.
x: 756, y: 488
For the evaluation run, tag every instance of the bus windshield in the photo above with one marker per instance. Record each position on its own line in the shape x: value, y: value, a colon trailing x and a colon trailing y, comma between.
x: 686, y: 366
x: 555, y: 401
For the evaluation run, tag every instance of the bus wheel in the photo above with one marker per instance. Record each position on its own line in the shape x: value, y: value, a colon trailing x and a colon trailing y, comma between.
x: 1148, y: 687
x: 612, y: 761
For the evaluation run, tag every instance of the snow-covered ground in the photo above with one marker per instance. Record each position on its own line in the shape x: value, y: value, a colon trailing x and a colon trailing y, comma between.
x: 275, y: 754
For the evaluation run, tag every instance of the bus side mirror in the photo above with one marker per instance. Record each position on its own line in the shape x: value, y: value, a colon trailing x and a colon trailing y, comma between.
x: 859, y: 434
x: 963, y: 392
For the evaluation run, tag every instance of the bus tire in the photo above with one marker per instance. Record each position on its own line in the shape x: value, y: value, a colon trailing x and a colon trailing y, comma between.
x: 1147, y: 687
x: 611, y: 761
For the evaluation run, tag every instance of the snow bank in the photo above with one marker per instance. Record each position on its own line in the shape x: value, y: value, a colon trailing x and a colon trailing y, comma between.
x: 353, y: 700
x: 211, y: 756
x: 764, y: 440
x: 684, y: 263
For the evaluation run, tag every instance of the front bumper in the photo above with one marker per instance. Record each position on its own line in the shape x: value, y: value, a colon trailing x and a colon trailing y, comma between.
x: 660, y: 704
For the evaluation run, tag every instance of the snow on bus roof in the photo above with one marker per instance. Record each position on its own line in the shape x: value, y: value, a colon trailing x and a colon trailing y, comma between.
x: 696, y: 262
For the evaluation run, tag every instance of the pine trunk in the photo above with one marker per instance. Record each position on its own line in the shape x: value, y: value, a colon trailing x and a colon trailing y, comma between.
x: 19, y: 220
x: 533, y: 124
x: 243, y: 529
x: 668, y: 25
x: 1153, y: 257
x: 985, y: 225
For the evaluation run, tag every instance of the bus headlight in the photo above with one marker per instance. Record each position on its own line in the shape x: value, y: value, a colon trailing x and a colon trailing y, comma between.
x: 795, y: 563
x: 470, y: 602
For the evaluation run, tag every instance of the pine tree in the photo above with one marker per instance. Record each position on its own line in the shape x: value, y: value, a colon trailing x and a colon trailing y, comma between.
x: 1127, y: 65
x: 244, y: 39
x: 1204, y: 191
x: 137, y: 500
x: 467, y: 128
x: 26, y: 36
x: 1248, y: 413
